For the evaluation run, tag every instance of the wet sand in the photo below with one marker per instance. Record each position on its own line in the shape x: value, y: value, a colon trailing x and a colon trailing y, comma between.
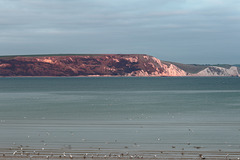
x: 63, y: 154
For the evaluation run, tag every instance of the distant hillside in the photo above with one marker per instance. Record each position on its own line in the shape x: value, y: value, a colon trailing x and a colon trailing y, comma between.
x: 105, y: 65
x: 195, y: 68
x: 189, y: 68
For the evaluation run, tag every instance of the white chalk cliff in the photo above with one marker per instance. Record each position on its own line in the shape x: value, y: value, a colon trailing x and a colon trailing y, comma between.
x: 218, y: 71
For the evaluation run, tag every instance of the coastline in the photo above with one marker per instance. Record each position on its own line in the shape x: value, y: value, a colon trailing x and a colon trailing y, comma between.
x: 54, y: 154
x: 107, y: 65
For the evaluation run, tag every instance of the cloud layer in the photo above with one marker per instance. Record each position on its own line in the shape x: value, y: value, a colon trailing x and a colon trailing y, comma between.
x: 188, y: 31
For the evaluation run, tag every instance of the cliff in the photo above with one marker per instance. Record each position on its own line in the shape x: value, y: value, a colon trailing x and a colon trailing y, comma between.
x: 87, y: 65
x: 218, y: 71
x: 100, y: 65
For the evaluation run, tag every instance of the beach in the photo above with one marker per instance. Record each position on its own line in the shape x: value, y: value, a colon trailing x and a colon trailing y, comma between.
x: 26, y: 154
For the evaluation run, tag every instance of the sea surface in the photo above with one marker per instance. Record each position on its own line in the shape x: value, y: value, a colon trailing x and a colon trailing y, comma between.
x: 122, y: 113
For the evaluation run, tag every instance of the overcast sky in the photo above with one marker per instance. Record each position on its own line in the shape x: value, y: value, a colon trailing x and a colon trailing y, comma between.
x: 186, y: 31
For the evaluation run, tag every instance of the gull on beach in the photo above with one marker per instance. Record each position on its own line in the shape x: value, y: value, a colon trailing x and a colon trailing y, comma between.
x: 227, y: 156
x: 201, y: 156
x: 14, y: 153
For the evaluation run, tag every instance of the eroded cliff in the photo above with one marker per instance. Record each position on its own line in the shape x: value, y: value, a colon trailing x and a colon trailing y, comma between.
x: 218, y: 71
x: 105, y: 65
x: 87, y: 65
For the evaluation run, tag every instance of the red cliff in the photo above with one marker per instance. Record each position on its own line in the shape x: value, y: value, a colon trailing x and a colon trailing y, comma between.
x: 87, y: 65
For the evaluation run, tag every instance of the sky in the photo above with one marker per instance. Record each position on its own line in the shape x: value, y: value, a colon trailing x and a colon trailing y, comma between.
x: 185, y: 31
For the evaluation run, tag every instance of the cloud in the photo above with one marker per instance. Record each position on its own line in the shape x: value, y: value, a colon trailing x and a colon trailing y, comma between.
x: 163, y: 28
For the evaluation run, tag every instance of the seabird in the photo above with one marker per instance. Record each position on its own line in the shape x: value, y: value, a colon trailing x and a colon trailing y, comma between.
x: 14, y: 152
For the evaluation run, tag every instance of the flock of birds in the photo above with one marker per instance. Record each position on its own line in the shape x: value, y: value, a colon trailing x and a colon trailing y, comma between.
x: 43, y: 153
x: 21, y: 152
x: 84, y: 156
x: 37, y: 154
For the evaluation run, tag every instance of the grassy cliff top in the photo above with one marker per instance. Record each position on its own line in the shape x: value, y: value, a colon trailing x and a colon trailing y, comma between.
x: 49, y: 55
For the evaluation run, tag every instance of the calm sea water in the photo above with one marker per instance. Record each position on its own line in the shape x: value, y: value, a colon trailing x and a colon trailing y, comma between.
x: 121, y: 113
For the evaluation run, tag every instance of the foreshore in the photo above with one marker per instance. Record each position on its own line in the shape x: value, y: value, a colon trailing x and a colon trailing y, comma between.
x: 63, y: 154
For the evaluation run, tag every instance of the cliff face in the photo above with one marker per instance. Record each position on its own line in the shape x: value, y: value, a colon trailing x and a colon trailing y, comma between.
x: 87, y: 65
x: 218, y: 71
x: 104, y: 65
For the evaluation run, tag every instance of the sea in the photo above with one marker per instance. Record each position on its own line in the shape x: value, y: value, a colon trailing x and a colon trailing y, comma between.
x: 121, y: 113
